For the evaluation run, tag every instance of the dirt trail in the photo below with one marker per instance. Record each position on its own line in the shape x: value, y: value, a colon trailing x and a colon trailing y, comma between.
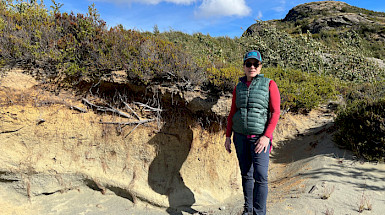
x: 58, y: 161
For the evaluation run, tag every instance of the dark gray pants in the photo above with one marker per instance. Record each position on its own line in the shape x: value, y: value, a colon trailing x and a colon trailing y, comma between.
x: 254, y: 168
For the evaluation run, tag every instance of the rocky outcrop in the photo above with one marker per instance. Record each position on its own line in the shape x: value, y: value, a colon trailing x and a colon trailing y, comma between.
x: 337, y: 21
x: 329, y: 16
x: 314, y: 9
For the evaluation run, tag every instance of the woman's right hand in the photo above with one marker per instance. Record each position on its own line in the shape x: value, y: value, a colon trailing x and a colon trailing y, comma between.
x: 228, y: 144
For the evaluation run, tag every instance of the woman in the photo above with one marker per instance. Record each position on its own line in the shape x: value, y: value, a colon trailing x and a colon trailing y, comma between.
x: 254, y: 113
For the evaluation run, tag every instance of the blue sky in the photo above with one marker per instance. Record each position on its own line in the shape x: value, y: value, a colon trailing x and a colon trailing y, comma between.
x: 214, y: 17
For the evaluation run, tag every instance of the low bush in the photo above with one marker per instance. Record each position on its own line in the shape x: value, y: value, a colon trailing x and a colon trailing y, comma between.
x: 361, y: 122
x: 224, y: 79
x: 301, y: 92
x: 80, y: 47
x: 344, y: 56
x: 361, y: 128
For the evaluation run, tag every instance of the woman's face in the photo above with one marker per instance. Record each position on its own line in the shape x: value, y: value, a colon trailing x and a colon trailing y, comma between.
x: 252, y: 68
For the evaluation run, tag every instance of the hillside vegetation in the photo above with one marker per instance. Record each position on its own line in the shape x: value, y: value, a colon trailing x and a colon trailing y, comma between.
x: 311, y: 63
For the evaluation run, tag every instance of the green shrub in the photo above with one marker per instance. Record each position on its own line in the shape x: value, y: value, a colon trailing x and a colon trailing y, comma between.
x: 362, y: 129
x: 209, y: 51
x: 224, y: 79
x: 301, y: 92
x: 343, y: 55
x: 369, y: 91
x: 80, y: 47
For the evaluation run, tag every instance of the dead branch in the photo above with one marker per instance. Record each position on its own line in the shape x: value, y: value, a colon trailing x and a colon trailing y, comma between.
x: 136, y: 115
x: 132, y: 130
x: 105, y: 109
x: 128, y: 106
x: 10, y: 131
x: 150, y: 108
x: 128, y: 123
x: 140, y: 122
x: 81, y: 110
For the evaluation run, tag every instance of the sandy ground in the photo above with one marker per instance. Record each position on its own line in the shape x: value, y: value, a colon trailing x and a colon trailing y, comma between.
x: 308, y: 174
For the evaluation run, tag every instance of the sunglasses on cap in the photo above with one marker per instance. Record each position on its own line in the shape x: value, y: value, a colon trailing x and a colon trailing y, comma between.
x: 249, y: 64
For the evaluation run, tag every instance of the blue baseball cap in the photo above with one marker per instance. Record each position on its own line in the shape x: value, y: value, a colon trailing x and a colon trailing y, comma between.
x: 252, y: 54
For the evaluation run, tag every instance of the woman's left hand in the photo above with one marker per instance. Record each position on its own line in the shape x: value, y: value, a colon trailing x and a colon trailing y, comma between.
x: 262, y: 144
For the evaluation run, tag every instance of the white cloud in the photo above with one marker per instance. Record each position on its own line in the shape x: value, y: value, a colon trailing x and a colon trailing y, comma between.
x: 259, y: 15
x: 207, y: 8
x: 184, y: 2
x: 181, y: 1
x: 210, y: 8
x: 279, y: 9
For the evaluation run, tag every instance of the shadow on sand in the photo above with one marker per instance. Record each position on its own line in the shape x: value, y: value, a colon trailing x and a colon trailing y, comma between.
x: 319, y: 141
x: 173, y: 144
x: 315, y: 141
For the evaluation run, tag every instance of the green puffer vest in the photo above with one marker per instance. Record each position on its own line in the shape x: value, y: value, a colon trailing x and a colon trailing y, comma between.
x: 252, y: 106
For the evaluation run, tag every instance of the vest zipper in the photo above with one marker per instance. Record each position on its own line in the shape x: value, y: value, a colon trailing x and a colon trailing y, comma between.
x: 247, y: 108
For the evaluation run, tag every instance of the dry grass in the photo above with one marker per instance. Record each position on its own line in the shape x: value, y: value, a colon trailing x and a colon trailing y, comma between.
x: 364, y: 203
